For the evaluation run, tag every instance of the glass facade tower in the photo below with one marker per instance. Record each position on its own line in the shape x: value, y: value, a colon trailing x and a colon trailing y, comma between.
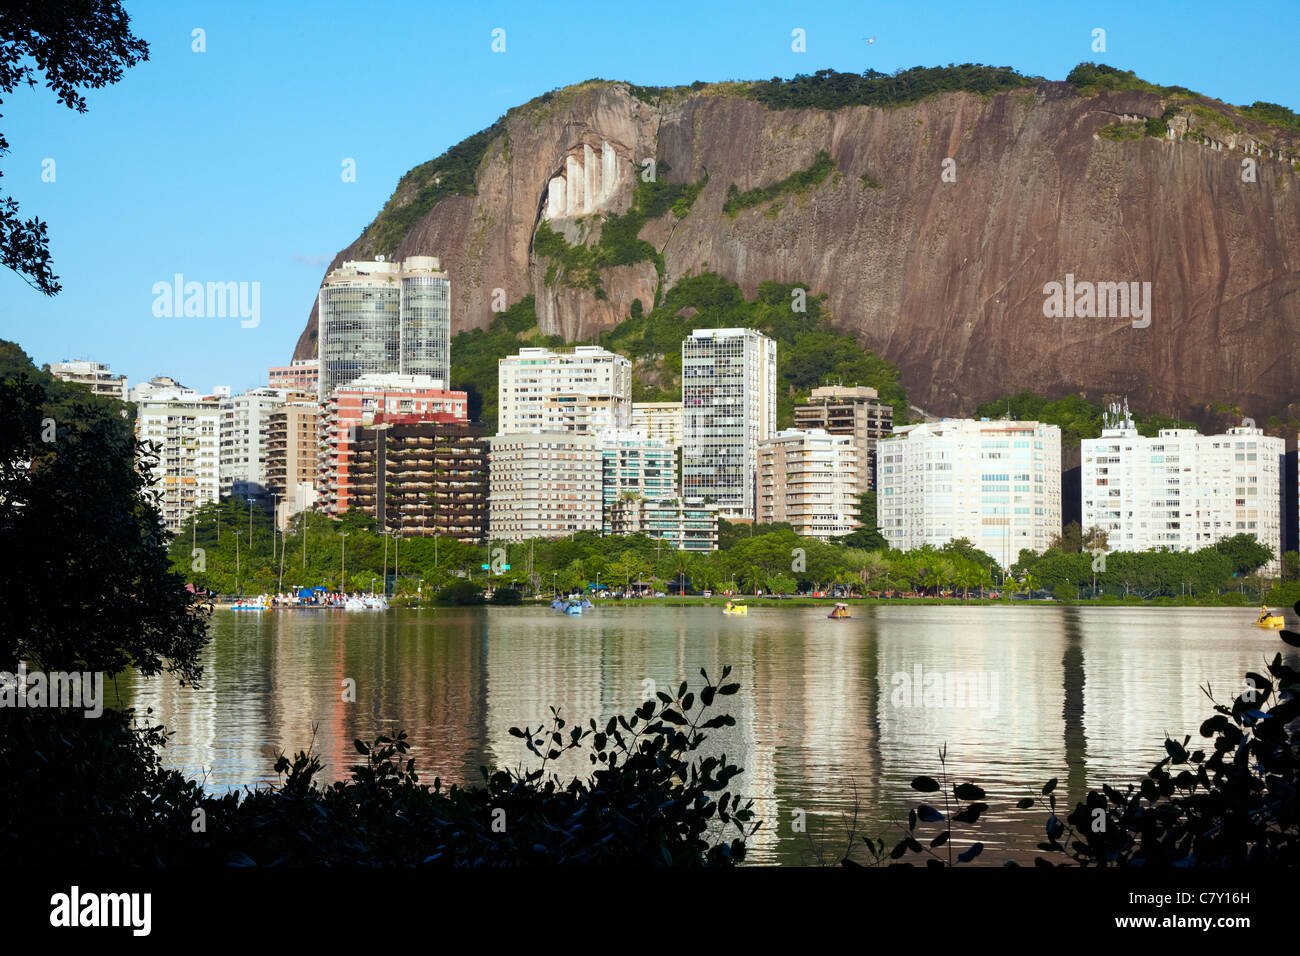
x: 377, y: 317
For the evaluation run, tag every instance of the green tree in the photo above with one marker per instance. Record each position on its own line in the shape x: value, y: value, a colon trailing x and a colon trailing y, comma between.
x: 82, y: 547
x: 1245, y: 552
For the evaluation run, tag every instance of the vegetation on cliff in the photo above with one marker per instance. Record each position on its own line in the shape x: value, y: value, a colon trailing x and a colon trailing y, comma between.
x: 799, y: 181
x: 1089, y: 78
x: 619, y: 244
x: 451, y: 174
x: 831, y: 90
x: 1097, y: 77
x: 810, y: 352
x: 475, y: 352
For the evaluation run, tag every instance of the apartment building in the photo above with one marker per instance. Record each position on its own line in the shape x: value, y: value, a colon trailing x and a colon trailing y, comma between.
x: 421, y: 477
x: 185, y: 430
x: 245, y: 423
x: 634, y: 466
x: 855, y: 411
x: 302, y: 375
x: 356, y: 404
x: 292, y: 438
x: 809, y: 478
x: 687, y: 524
x: 96, y: 376
x: 544, y: 485
x: 995, y: 483
x: 383, y: 317
x: 1180, y: 489
x: 582, y: 390
x: 728, y: 407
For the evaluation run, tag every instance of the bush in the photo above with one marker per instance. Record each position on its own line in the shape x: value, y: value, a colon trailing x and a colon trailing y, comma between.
x: 1284, y: 593
x: 460, y: 593
x: 507, y: 597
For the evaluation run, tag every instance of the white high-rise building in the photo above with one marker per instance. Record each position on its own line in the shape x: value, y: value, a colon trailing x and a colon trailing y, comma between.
x: 384, y: 317
x: 1180, y: 489
x: 728, y: 407
x: 809, y: 478
x: 245, y: 423
x: 544, y: 485
x: 581, y: 391
x: 186, y: 432
x: 96, y: 376
x: 995, y: 483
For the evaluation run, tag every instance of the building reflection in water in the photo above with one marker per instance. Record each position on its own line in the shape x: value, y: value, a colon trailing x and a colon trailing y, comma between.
x: 825, y: 719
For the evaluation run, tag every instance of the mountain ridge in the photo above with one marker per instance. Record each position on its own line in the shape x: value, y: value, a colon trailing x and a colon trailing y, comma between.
x: 1102, y: 176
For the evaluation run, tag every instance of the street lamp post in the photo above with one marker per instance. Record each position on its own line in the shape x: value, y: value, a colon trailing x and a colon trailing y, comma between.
x: 343, y: 561
x: 237, y: 587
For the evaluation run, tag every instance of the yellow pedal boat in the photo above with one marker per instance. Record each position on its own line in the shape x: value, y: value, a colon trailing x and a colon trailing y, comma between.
x: 735, y: 609
x: 1272, y: 621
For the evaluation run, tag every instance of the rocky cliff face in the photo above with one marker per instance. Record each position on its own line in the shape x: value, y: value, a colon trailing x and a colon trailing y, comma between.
x: 942, y: 274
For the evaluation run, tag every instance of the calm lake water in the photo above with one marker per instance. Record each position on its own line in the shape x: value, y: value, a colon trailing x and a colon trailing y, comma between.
x: 830, y: 714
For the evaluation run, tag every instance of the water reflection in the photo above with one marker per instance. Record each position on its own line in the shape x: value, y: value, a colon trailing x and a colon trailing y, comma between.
x: 830, y: 715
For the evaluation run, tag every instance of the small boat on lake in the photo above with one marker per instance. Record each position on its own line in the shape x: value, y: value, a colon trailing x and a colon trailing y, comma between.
x: 839, y: 613
x: 1269, y: 619
x: 730, y: 608
x: 573, y: 608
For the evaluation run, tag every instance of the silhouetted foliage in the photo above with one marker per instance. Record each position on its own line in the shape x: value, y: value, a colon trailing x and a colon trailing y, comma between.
x: 83, y: 553
x: 96, y: 791
x: 71, y: 47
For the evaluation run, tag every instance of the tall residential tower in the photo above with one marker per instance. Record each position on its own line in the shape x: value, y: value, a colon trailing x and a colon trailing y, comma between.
x: 384, y: 317
x: 728, y: 407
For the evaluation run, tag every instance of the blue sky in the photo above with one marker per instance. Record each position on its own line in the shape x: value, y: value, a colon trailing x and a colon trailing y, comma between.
x: 225, y: 165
